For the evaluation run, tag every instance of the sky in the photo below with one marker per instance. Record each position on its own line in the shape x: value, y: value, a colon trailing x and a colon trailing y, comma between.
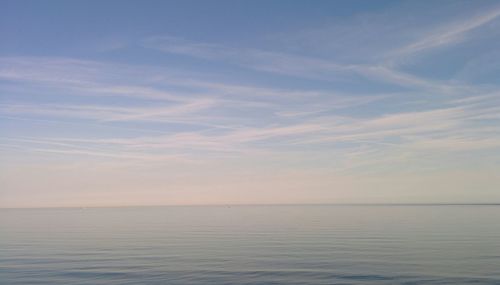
x: 115, y: 103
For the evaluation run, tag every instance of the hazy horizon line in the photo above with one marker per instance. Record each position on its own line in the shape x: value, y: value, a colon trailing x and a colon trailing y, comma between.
x: 262, y: 204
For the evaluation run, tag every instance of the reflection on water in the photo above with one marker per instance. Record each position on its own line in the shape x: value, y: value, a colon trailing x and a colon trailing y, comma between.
x: 251, y: 245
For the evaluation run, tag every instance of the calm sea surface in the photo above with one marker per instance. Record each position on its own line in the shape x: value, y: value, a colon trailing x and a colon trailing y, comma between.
x: 252, y: 245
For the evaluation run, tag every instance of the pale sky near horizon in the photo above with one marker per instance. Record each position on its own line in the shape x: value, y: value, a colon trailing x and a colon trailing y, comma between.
x: 109, y: 103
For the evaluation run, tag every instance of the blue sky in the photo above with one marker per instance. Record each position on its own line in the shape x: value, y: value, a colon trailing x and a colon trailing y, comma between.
x: 242, y: 102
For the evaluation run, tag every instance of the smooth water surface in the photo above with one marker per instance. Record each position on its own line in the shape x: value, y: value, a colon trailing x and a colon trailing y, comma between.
x: 252, y: 245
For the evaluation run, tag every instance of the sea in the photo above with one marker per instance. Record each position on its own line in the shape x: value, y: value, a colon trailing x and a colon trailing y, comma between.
x: 290, y: 244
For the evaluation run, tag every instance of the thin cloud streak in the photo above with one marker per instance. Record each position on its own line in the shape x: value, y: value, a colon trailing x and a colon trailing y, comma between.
x: 447, y: 35
x: 301, y: 66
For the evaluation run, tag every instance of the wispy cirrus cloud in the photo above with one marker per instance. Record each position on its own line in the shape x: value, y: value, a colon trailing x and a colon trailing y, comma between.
x: 300, y: 118
x: 257, y: 59
x: 383, y: 67
x: 300, y: 66
x: 223, y: 102
x: 108, y: 113
x: 395, y: 131
x: 448, y: 34
x: 105, y: 78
